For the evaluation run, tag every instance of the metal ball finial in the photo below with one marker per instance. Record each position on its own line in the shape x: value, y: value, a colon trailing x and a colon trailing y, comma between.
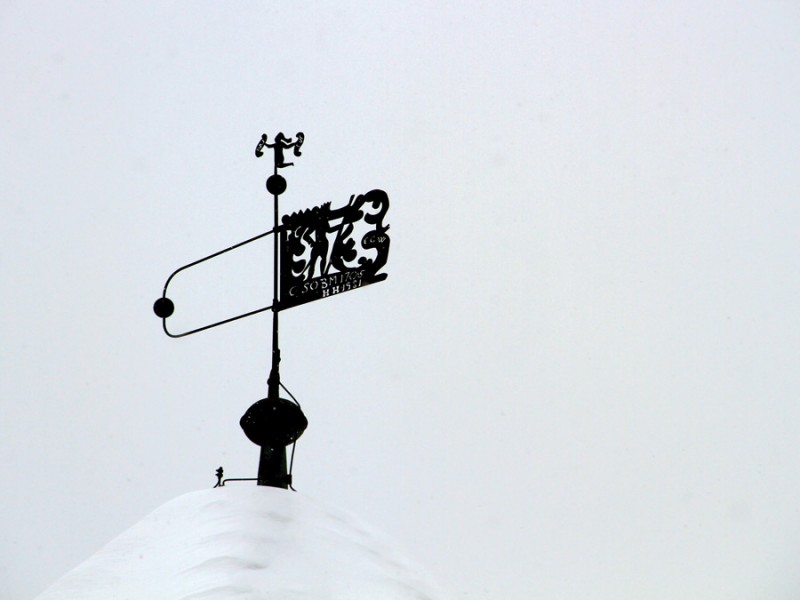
x: 276, y: 184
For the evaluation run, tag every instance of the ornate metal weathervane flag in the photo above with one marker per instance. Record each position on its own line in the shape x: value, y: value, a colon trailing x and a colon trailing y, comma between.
x: 319, y: 256
x: 318, y: 252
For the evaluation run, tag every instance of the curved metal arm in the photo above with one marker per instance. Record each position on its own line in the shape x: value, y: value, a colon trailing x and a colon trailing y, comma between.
x: 197, y: 262
x: 242, y: 316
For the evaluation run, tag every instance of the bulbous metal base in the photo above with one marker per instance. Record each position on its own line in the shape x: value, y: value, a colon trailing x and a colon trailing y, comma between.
x: 274, y: 422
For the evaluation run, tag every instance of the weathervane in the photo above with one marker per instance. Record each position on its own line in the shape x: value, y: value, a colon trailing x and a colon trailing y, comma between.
x: 315, y: 256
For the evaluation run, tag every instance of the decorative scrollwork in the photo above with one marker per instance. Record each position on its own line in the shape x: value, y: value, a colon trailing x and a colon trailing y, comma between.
x: 320, y: 256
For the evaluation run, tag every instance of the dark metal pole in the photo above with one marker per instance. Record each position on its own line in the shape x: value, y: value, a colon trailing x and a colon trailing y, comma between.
x: 272, y: 463
x: 274, y: 380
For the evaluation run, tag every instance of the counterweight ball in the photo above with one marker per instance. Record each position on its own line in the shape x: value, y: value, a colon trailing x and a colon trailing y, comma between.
x: 163, y: 307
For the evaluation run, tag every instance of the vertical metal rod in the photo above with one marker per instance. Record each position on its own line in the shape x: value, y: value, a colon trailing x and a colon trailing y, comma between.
x: 275, y: 381
x: 272, y: 462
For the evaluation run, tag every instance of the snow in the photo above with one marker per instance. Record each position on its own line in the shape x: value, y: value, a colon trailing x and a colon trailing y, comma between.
x: 247, y: 543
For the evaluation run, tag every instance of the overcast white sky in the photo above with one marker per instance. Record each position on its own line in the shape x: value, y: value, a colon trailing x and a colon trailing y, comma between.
x: 580, y: 379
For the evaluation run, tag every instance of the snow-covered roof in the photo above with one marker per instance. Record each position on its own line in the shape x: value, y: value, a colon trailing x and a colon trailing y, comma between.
x: 244, y: 543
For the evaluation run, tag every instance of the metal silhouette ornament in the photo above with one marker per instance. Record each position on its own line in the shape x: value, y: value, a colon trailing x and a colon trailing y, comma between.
x: 280, y: 144
x: 318, y: 252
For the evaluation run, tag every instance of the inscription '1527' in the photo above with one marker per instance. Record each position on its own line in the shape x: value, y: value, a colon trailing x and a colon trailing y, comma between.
x: 329, y: 285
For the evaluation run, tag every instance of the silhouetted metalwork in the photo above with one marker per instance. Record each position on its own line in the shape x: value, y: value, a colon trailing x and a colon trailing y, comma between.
x: 319, y: 252
x: 276, y: 184
x: 273, y: 422
x: 164, y: 307
x: 280, y: 144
